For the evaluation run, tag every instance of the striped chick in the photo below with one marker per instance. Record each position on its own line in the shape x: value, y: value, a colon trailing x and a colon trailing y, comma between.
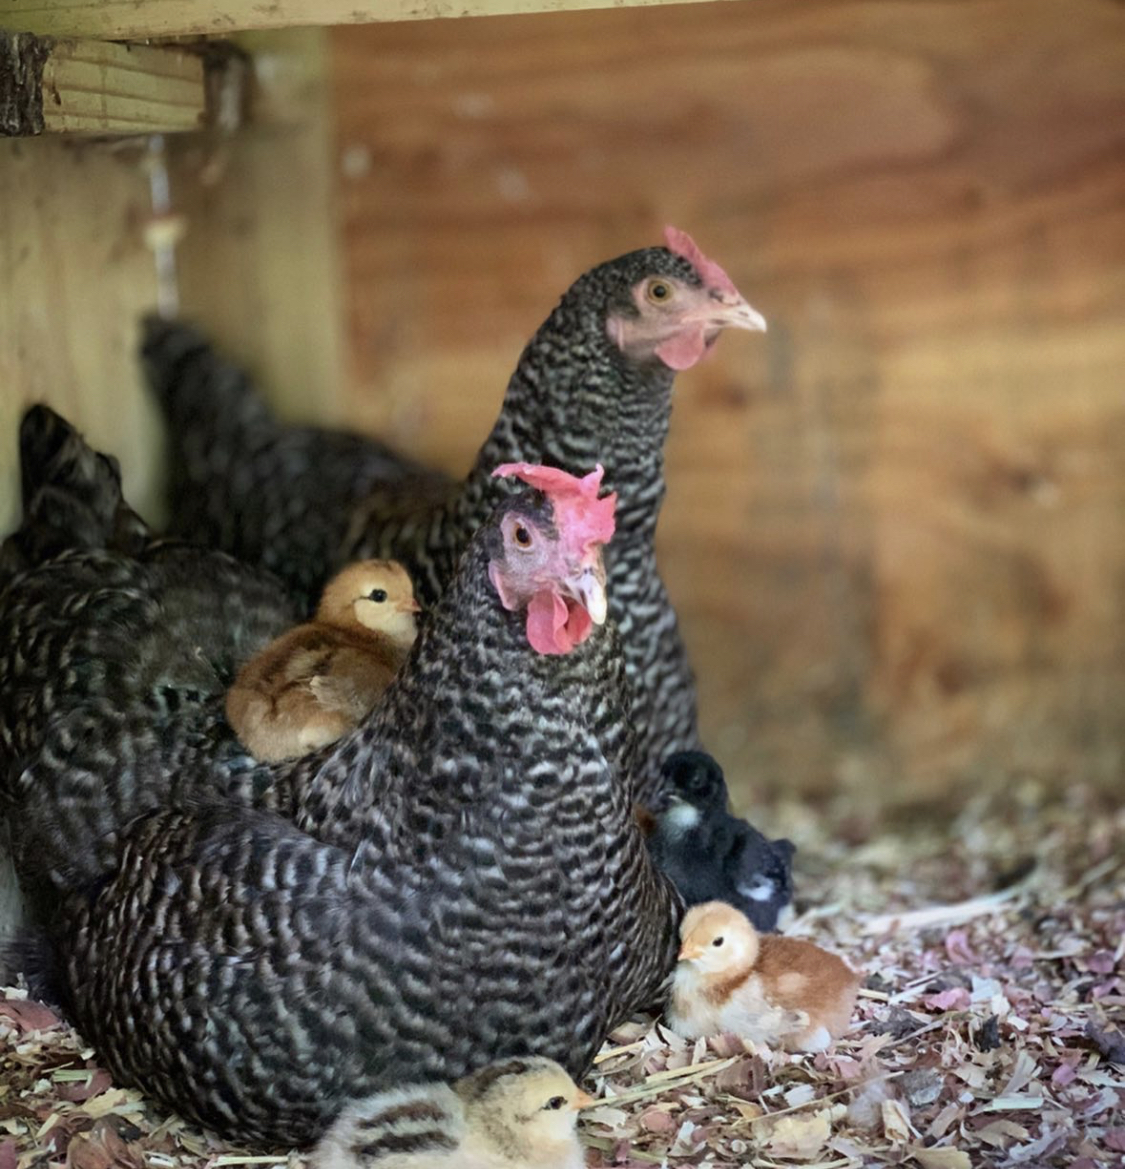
x: 513, y: 1114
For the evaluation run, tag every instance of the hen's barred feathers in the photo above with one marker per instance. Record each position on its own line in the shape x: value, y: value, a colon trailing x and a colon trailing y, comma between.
x: 303, y: 501
x: 458, y: 880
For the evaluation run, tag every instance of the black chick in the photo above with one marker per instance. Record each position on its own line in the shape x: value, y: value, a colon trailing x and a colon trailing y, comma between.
x: 711, y: 855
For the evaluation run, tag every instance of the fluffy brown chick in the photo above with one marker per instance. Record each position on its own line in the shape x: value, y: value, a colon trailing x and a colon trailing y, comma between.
x: 513, y: 1114
x: 318, y: 681
x: 784, y: 992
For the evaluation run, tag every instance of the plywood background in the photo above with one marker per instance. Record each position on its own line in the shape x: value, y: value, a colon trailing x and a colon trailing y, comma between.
x: 896, y: 526
x: 74, y: 278
x: 257, y: 267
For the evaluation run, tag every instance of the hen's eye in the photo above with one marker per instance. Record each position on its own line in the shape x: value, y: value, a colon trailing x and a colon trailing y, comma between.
x: 717, y: 942
x: 659, y: 291
x: 522, y: 536
x: 555, y: 1103
x: 377, y: 595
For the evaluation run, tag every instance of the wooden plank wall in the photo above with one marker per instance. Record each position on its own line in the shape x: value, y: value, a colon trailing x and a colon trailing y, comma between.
x: 74, y: 278
x: 260, y: 267
x: 257, y: 267
x: 896, y: 525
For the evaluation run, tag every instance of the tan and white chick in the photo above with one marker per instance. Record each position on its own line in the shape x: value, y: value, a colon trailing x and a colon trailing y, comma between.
x: 514, y: 1114
x: 783, y: 992
x: 317, y: 681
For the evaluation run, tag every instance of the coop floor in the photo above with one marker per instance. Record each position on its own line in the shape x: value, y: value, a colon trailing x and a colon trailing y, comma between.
x: 992, y: 1031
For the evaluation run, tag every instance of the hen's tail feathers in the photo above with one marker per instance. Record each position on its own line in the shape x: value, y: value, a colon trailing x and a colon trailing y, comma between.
x: 207, y: 400
x: 215, y: 417
x: 71, y: 497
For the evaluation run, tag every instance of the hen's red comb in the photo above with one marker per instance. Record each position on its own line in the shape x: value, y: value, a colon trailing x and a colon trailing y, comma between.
x: 710, y: 273
x: 582, y: 518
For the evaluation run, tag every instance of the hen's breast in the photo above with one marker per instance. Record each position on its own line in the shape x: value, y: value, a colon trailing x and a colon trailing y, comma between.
x: 266, y: 975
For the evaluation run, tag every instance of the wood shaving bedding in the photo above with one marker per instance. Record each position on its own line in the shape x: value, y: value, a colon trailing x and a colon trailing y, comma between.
x: 991, y: 1031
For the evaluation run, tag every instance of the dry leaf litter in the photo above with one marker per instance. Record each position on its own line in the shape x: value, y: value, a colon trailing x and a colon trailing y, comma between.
x: 991, y: 1031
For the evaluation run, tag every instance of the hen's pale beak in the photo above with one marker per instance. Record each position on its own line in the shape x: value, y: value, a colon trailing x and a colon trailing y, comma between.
x: 583, y: 1100
x: 587, y: 587
x: 727, y: 310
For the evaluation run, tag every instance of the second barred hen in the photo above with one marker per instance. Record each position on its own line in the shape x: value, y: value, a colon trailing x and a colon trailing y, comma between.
x: 594, y: 385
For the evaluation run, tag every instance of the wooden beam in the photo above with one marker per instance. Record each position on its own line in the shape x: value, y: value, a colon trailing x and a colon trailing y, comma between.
x: 95, y: 87
x: 128, y: 19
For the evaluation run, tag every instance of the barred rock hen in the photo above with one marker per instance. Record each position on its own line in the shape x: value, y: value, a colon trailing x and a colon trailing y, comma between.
x: 137, y: 649
x: 101, y: 623
x: 92, y: 606
x: 593, y: 385
x: 472, y: 884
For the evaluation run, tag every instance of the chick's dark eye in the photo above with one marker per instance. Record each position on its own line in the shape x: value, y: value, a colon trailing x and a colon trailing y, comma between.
x: 717, y: 942
x: 555, y: 1103
x: 522, y: 536
x: 378, y: 595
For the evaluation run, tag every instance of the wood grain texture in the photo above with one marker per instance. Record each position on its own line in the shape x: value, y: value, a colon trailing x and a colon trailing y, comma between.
x: 138, y: 19
x: 95, y: 87
x: 896, y: 526
x: 74, y: 278
x: 257, y: 265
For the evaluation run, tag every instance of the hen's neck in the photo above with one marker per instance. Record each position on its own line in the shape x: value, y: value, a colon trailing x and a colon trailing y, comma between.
x: 574, y: 401
x: 472, y: 704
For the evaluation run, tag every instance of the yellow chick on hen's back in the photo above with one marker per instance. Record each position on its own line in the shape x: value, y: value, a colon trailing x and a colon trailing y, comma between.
x: 784, y: 992
x: 319, y: 680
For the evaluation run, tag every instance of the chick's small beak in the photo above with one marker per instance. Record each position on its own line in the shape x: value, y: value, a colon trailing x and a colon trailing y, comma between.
x: 688, y: 952
x: 411, y: 606
x: 728, y: 310
x: 583, y: 1100
x: 587, y: 587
